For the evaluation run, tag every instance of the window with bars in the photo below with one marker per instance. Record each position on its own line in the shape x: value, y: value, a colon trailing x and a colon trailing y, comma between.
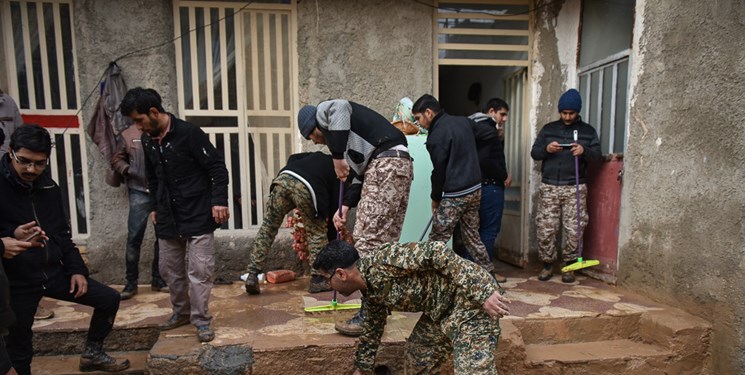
x: 235, y: 68
x: 39, y: 54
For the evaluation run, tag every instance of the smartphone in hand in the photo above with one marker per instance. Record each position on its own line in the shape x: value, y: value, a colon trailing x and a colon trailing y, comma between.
x: 31, y: 237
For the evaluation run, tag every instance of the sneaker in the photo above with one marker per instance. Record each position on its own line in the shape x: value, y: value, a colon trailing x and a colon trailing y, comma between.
x: 42, y: 313
x: 499, y: 278
x: 95, y: 359
x: 351, y: 327
x: 567, y: 277
x: 158, y: 285
x: 545, y: 274
x: 129, y: 291
x: 318, y: 284
x: 205, y: 333
x: 174, y: 322
x: 252, y: 284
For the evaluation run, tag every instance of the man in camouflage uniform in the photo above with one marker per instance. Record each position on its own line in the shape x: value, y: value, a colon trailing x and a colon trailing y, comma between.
x: 307, y: 183
x: 556, y: 148
x: 362, y: 140
x: 456, y: 177
x: 460, y: 302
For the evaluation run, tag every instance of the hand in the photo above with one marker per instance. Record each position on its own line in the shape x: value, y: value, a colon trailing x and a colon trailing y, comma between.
x: 341, y: 221
x: 78, y: 285
x: 500, y: 132
x: 220, y: 213
x: 435, y: 205
x: 495, y: 305
x: 13, y: 247
x: 341, y: 167
x: 153, y: 217
x: 508, y: 181
x: 553, y: 147
x: 577, y: 149
x: 12, y: 371
x: 24, y: 231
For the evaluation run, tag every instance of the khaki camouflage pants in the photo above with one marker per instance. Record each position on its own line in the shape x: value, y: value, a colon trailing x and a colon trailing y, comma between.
x: 385, y: 197
x: 465, y: 210
x: 287, y: 194
x: 471, y: 336
x: 558, y: 206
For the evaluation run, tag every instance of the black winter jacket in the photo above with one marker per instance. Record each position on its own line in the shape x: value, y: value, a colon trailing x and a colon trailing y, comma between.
x: 40, y: 202
x: 317, y: 170
x: 455, y: 162
x: 558, y: 168
x: 7, y: 318
x: 490, y: 149
x: 187, y: 177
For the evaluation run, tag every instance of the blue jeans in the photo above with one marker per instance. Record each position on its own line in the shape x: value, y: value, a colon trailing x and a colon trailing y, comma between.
x: 490, y: 215
x: 136, y: 224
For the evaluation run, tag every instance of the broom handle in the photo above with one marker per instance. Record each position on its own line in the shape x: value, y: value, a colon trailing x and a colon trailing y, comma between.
x: 338, y: 232
x: 576, y: 184
x: 426, y: 228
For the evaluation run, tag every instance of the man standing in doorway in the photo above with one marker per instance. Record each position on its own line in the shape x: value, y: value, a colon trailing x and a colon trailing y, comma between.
x: 362, y: 140
x: 189, y: 182
x: 556, y: 148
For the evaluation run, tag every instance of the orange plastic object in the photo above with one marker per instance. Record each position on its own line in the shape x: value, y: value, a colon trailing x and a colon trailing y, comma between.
x: 280, y: 276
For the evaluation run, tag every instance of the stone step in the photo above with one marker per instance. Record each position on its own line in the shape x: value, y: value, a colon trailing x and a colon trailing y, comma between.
x: 598, y: 357
x: 68, y: 364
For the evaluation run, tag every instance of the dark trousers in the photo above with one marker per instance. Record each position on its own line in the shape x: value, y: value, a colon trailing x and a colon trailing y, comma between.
x: 136, y: 224
x: 24, y: 300
x: 5, y: 365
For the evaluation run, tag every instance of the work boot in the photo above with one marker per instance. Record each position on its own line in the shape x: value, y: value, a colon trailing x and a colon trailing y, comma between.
x: 158, y: 285
x: 94, y: 359
x: 352, y: 327
x: 174, y: 322
x: 252, y: 284
x: 498, y: 277
x: 567, y: 277
x: 205, y: 333
x: 318, y: 284
x: 129, y: 291
x: 42, y: 313
x: 547, y: 272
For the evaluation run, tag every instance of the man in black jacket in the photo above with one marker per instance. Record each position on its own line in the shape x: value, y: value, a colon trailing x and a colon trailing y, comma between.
x: 189, y: 183
x: 456, y: 177
x: 308, y: 183
x: 52, y: 268
x: 556, y: 148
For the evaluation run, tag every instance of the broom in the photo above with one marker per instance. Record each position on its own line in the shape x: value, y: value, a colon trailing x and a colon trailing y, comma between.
x: 580, y: 263
x: 335, y: 305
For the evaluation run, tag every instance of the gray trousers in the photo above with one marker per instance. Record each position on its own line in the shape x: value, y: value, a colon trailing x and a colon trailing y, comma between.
x: 189, y: 297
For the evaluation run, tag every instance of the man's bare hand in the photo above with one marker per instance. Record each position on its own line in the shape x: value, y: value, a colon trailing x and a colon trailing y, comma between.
x: 435, y: 205
x: 220, y: 213
x: 577, y: 149
x: 341, y: 167
x: 154, y: 217
x: 553, y: 147
x: 508, y: 181
x: 78, y: 285
x: 341, y: 221
x: 14, y: 247
x: 496, y: 306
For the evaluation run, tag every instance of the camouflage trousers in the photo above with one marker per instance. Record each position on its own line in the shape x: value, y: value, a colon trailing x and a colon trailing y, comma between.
x: 465, y: 210
x: 385, y: 197
x: 558, y: 207
x: 287, y: 194
x: 471, y: 335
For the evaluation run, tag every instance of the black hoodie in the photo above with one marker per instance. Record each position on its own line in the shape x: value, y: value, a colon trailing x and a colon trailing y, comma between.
x: 558, y: 168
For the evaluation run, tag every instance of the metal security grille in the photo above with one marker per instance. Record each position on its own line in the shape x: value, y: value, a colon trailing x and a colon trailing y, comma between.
x: 39, y: 52
x: 236, y: 71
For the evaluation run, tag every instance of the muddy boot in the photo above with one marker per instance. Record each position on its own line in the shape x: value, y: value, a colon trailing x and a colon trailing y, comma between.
x: 94, y: 359
x: 547, y: 272
x: 129, y: 291
x: 318, y: 284
x: 159, y: 285
x: 567, y: 277
x: 352, y: 327
x: 252, y: 284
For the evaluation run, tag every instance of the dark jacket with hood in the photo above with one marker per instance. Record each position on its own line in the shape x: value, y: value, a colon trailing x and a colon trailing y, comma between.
x: 490, y: 149
x: 7, y: 318
x: 316, y: 171
x: 187, y: 177
x: 455, y: 162
x: 558, y: 168
x: 41, y: 202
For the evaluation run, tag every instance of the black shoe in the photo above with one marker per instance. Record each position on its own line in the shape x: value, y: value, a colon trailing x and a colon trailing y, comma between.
x: 318, y: 284
x: 95, y: 359
x: 252, y: 284
x: 351, y: 327
x: 174, y: 322
x: 205, y: 333
x: 158, y: 285
x: 129, y: 291
x: 567, y: 277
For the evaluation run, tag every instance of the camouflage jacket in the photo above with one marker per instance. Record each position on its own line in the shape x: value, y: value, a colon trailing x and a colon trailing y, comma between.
x: 423, y: 277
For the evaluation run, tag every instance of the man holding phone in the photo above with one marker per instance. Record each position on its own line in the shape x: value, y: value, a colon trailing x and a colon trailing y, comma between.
x: 52, y: 266
x: 556, y: 147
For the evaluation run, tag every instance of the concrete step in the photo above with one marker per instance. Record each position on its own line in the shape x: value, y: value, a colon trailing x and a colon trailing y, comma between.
x: 68, y: 364
x: 598, y: 357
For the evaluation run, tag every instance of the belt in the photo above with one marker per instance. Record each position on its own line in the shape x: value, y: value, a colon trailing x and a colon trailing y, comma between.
x: 394, y: 154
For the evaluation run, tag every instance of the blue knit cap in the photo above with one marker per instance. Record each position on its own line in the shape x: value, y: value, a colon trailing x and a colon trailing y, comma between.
x: 306, y: 120
x: 570, y: 100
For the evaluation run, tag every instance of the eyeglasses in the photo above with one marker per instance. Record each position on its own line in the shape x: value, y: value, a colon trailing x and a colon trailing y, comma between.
x: 39, y: 164
x: 328, y: 279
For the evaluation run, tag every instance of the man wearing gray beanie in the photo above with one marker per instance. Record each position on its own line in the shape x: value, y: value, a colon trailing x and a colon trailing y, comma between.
x: 371, y: 151
x: 556, y: 147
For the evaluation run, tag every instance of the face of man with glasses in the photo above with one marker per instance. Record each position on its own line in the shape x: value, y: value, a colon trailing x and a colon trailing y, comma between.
x: 29, y: 165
